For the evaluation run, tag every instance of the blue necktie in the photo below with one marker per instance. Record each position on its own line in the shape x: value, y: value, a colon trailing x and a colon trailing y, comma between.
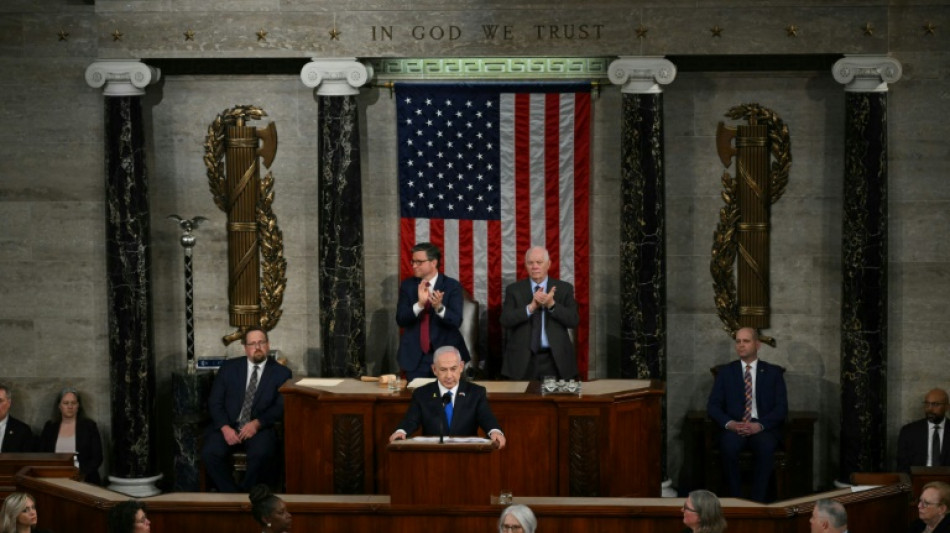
x: 448, y: 410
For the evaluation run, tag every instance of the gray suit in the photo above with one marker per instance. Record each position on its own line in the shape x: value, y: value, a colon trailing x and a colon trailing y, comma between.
x: 515, y: 319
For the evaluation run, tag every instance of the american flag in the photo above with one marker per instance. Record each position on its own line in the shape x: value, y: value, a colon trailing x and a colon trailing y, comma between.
x: 486, y: 170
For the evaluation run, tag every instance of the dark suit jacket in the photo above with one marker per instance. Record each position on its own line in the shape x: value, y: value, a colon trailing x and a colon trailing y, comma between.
x: 227, y: 393
x: 18, y: 438
x: 557, y: 321
x: 918, y: 526
x: 727, y: 399
x: 912, y: 445
x: 442, y: 331
x: 88, y: 446
x: 470, y: 412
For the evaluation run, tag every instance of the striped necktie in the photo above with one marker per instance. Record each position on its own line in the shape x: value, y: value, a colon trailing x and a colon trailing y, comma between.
x: 747, y: 414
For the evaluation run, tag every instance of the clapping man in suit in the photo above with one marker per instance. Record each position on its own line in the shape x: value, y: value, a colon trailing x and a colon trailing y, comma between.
x: 15, y: 436
x: 245, y: 403
x: 449, y: 406
x: 919, y: 440
x: 430, y: 312
x: 749, y: 402
x: 538, y: 311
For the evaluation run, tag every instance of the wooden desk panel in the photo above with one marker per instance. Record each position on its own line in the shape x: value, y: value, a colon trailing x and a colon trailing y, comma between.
x: 592, y: 445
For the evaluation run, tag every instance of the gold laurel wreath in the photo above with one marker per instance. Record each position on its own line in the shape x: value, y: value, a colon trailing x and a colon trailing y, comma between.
x: 724, y: 239
x: 271, y: 239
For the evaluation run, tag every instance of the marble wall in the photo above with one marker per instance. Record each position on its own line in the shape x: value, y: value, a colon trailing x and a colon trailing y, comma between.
x: 52, y: 279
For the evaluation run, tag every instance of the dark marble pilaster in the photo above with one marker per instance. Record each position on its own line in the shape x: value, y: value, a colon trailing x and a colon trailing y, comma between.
x: 190, y: 410
x: 864, y: 265
x: 342, y: 275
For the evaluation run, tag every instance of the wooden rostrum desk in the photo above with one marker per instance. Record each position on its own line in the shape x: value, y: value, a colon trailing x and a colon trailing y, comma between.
x: 602, y: 443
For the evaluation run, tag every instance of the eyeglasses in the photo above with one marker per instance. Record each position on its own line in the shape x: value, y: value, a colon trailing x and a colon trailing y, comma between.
x: 510, y: 527
x: 417, y: 262
x: 688, y: 508
x: 934, y: 404
x: 257, y: 344
x: 925, y: 503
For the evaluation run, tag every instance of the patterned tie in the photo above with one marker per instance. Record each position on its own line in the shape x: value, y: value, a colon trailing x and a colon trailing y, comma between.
x: 747, y: 414
x: 448, y: 409
x: 536, y: 325
x: 245, y: 415
x: 935, y: 447
x: 424, y: 340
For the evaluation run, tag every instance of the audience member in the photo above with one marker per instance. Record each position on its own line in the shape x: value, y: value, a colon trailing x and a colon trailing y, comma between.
x: 429, y: 310
x: 918, y: 441
x: 269, y: 510
x: 538, y: 311
x: 19, y: 514
x: 15, y: 436
x: 449, y: 406
x: 702, y: 513
x: 828, y: 516
x: 932, y: 509
x: 245, y: 403
x: 129, y: 517
x: 517, y: 519
x: 749, y: 403
x: 70, y: 431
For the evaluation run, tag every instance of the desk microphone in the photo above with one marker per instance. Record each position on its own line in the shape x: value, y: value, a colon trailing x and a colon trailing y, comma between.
x: 446, y: 399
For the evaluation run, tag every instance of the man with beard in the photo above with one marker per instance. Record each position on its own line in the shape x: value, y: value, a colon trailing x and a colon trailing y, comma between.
x: 245, y: 403
x: 924, y: 442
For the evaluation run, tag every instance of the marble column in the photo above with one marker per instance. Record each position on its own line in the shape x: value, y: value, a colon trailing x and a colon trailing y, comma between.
x: 342, y: 274
x: 131, y: 352
x: 642, y: 220
x: 864, y: 263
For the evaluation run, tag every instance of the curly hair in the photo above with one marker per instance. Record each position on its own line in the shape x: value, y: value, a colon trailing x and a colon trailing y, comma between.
x: 122, y: 516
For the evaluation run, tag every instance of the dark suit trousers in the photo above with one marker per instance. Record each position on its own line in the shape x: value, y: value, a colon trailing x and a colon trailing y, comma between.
x: 763, y: 446
x: 260, y: 449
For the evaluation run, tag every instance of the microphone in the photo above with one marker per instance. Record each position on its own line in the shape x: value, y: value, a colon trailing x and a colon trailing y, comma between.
x: 446, y: 399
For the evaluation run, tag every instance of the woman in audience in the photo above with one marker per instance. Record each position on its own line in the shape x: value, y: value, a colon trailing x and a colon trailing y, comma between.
x: 19, y: 514
x: 129, y: 517
x: 702, y: 513
x: 269, y: 510
x: 517, y: 519
x: 71, y: 432
x: 932, y: 509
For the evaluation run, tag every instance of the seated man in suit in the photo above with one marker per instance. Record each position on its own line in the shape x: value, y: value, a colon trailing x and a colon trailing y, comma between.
x: 828, y: 516
x: 449, y: 406
x: 429, y: 310
x: 918, y: 440
x: 245, y: 403
x: 15, y: 436
x: 749, y: 402
x: 538, y: 311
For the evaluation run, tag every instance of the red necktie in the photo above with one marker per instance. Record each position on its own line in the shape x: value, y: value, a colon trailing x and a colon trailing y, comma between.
x: 747, y: 415
x: 424, y: 340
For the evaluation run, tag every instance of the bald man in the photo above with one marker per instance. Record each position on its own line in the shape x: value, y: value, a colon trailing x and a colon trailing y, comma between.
x: 916, y: 442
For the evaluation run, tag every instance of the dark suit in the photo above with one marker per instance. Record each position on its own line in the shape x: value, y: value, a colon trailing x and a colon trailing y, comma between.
x: 918, y: 526
x: 18, y: 437
x: 88, y: 446
x: 514, y: 317
x: 469, y: 412
x: 727, y: 402
x: 913, y: 441
x: 442, y: 331
x: 224, y: 404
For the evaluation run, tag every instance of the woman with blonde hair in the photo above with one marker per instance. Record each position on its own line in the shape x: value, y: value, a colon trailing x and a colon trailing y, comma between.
x: 19, y: 514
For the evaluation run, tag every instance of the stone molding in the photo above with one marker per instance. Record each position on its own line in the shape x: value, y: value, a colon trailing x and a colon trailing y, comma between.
x: 866, y: 73
x: 121, y: 77
x: 641, y: 75
x: 336, y: 76
x: 490, y: 68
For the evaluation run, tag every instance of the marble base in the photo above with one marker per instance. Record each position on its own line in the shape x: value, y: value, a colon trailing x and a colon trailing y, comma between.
x: 141, y: 487
x: 190, y: 408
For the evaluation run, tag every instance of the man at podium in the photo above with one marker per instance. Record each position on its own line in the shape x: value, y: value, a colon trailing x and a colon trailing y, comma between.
x: 449, y: 406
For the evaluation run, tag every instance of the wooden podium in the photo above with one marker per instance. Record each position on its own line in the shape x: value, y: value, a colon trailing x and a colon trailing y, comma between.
x: 427, y: 472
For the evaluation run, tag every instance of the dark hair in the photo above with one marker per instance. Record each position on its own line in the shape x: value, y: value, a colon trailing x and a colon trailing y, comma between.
x: 254, y: 328
x: 122, y: 516
x: 57, y: 415
x: 432, y: 251
x: 263, y: 502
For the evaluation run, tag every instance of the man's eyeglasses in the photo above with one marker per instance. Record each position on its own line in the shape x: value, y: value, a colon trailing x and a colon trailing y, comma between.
x: 258, y: 344
x: 925, y: 503
x: 934, y: 404
x: 417, y: 262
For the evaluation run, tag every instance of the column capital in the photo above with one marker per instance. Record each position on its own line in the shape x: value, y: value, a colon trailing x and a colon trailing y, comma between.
x: 121, y: 77
x: 341, y: 76
x: 865, y: 73
x: 641, y: 74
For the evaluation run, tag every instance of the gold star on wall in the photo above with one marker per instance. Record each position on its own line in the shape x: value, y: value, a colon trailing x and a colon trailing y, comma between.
x: 63, y: 35
x: 261, y: 35
x: 716, y: 31
x: 791, y: 30
x: 930, y: 28
x: 868, y: 29
x: 642, y: 32
x: 190, y: 35
x: 117, y: 35
x: 334, y: 34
